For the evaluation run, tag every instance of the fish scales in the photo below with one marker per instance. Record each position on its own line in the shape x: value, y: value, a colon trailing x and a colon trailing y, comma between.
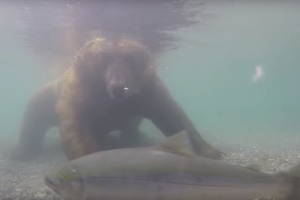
x: 168, y: 171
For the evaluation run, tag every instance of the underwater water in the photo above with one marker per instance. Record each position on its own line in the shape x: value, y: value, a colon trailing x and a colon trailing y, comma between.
x: 20, y: 74
x: 211, y: 74
x: 236, y: 75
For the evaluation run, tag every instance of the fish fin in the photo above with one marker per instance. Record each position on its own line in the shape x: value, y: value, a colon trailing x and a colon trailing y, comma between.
x: 178, y: 143
x: 295, y: 170
x: 254, y: 167
x: 293, y: 174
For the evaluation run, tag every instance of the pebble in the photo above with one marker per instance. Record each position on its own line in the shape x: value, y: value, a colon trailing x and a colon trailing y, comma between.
x: 25, y: 180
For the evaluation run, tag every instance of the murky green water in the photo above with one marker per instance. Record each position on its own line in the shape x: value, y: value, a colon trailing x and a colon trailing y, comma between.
x: 236, y: 75
x: 211, y: 74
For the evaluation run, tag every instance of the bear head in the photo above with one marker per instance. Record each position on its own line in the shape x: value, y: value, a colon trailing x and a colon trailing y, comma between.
x: 122, y: 66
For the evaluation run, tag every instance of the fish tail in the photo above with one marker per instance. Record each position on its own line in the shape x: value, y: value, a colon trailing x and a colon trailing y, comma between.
x: 294, y: 175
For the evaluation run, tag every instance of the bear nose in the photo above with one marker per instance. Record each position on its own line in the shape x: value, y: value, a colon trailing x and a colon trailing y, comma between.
x: 119, y: 91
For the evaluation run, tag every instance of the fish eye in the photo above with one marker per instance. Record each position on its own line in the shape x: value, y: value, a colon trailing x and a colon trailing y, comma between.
x: 53, y: 182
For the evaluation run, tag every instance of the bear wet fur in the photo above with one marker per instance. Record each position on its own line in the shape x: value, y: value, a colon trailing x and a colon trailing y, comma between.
x: 110, y: 86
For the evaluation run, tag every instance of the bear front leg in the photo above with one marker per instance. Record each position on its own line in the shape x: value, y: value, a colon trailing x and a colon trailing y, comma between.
x: 39, y: 116
x: 159, y: 106
x: 171, y: 119
x: 76, y: 138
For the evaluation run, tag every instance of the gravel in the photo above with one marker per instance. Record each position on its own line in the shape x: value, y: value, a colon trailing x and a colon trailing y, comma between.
x: 24, y: 180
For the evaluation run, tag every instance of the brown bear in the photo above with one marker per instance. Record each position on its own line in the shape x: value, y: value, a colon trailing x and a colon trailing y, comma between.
x: 110, y: 86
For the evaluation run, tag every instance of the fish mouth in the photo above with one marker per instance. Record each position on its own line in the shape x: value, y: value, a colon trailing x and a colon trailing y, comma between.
x: 49, y: 183
x: 55, y: 192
